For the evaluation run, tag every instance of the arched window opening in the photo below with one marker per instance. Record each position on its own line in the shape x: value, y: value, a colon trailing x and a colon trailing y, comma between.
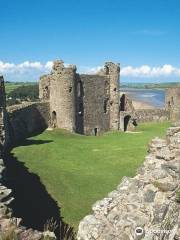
x: 172, y: 100
x: 107, y: 71
x: 122, y: 103
x: 70, y: 89
x: 46, y: 92
x: 80, y: 89
x: 105, y: 106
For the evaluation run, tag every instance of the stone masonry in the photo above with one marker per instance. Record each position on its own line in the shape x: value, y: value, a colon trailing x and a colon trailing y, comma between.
x: 91, y: 104
x: 173, y: 103
x: 26, y: 120
x: 87, y: 104
x: 2, y: 111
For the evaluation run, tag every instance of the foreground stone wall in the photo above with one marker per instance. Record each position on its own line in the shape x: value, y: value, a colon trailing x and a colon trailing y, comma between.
x: 10, y: 227
x: 27, y: 120
x: 3, y: 116
x: 146, y: 206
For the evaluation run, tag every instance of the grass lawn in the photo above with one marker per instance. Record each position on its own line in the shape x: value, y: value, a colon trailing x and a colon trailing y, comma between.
x: 79, y: 170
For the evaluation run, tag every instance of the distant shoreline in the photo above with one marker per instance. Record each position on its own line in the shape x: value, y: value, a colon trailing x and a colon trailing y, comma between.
x: 138, y: 105
x: 163, y: 85
x: 146, y: 98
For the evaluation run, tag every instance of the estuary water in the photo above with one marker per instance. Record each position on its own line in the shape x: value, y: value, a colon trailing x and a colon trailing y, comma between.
x: 153, y: 97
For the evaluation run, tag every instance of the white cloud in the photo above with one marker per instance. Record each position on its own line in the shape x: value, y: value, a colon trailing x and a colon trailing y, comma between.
x: 89, y: 70
x: 150, y: 72
x: 31, y: 65
x: 31, y: 71
x: 49, y: 65
x: 25, y: 71
x: 4, y: 67
x: 25, y: 66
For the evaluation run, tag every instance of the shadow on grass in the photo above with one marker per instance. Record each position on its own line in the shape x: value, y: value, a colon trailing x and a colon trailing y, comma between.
x: 32, y: 202
x: 28, y: 142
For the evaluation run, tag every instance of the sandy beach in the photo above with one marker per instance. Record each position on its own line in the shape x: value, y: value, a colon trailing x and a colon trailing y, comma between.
x: 142, y: 105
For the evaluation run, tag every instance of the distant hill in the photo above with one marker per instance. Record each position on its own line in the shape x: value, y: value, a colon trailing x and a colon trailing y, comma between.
x: 150, y: 85
x: 10, y: 86
x: 18, y: 92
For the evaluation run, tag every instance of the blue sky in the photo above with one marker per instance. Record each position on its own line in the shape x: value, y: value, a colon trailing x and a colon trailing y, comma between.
x: 143, y: 35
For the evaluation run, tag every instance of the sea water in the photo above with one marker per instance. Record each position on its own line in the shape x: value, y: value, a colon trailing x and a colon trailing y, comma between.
x: 154, y: 97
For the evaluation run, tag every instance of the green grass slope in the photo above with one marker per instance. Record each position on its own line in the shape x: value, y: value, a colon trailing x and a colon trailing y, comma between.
x: 78, y: 170
x: 10, y: 86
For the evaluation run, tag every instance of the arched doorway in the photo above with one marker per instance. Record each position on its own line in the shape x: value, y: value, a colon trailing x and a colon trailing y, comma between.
x: 126, y: 122
x: 54, y: 119
x: 95, y: 131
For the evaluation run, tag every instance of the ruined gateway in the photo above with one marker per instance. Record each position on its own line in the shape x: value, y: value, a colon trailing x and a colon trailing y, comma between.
x: 86, y: 104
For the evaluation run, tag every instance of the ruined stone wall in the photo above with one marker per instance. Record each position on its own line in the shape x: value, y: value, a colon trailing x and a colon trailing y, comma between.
x: 10, y: 227
x: 129, y: 119
x: 4, y: 133
x: 2, y: 112
x: 146, y: 206
x: 112, y: 70
x: 95, y: 110
x: 172, y: 103
x: 97, y: 106
x: 27, y: 120
x: 151, y: 115
x: 44, y: 87
x: 87, y: 104
x: 126, y: 103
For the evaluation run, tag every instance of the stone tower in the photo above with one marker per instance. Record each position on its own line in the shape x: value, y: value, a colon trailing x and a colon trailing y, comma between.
x: 83, y: 103
x: 62, y: 96
x: 112, y: 70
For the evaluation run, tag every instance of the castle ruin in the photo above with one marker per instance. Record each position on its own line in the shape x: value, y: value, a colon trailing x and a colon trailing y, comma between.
x: 86, y: 104
x: 91, y: 104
